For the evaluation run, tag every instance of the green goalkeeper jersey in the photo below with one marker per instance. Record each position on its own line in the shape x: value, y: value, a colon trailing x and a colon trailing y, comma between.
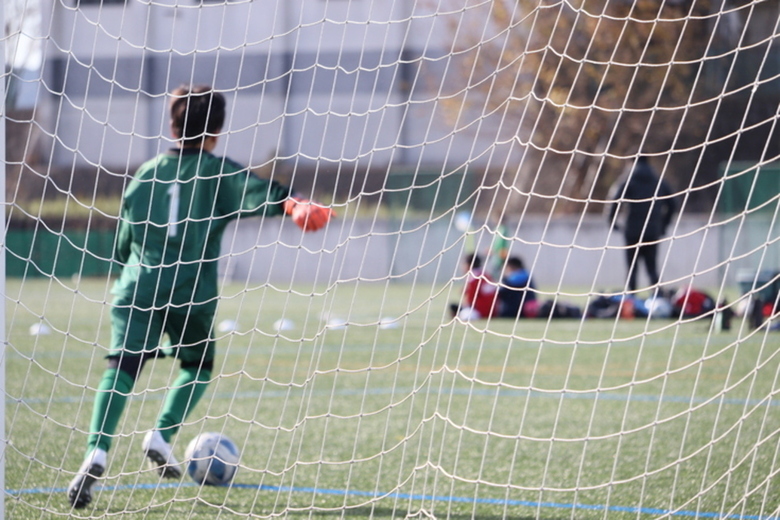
x: 174, y: 213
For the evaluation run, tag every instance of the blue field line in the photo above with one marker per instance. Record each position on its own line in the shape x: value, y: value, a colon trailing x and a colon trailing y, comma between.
x: 502, y: 392
x: 423, y: 498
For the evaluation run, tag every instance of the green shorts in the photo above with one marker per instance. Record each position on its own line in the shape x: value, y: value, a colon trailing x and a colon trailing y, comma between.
x: 143, y: 331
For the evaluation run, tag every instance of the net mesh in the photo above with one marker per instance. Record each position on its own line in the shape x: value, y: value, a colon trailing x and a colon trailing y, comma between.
x: 354, y: 372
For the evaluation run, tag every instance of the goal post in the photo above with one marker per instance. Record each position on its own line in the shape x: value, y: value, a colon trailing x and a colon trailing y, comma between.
x: 464, y: 338
x: 3, y: 337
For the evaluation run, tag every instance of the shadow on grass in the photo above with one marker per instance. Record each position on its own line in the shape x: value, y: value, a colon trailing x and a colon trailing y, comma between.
x: 418, y: 514
x: 204, y: 509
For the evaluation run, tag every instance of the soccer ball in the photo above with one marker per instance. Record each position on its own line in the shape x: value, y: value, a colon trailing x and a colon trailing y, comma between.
x: 212, y: 459
x: 462, y: 221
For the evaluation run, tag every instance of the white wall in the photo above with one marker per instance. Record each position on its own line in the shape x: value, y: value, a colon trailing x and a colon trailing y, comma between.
x: 314, y: 82
x: 564, y: 251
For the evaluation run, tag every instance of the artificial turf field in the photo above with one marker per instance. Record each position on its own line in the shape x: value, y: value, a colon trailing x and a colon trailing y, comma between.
x: 373, y: 403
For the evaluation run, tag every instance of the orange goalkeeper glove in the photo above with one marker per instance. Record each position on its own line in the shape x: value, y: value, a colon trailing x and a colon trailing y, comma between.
x: 308, y: 215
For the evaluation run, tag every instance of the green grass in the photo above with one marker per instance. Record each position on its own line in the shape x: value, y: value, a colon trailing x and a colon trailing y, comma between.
x: 626, y: 420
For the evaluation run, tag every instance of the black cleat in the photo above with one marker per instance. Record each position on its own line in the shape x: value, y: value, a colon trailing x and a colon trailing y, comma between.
x: 80, y: 488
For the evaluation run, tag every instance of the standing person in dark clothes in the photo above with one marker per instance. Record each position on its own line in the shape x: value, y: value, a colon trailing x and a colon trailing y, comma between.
x: 650, y: 205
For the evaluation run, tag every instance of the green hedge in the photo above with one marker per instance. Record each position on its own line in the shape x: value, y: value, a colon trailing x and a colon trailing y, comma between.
x: 41, y: 252
x: 748, y: 187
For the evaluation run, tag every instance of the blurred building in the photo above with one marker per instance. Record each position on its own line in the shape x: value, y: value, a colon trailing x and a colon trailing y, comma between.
x: 341, y: 88
x: 308, y: 81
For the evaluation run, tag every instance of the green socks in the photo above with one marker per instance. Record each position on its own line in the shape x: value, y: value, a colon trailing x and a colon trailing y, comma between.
x: 112, y: 394
x: 110, y: 401
x: 184, y: 394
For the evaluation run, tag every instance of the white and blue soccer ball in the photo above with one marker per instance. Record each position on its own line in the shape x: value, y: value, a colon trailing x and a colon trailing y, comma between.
x: 462, y: 221
x: 212, y: 459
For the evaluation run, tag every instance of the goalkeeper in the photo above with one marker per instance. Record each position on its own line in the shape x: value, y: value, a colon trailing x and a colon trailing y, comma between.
x: 173, y: 216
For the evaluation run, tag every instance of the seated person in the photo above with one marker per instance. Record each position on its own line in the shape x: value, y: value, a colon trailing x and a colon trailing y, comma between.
x: 517, y: 295
x: 479, y: 296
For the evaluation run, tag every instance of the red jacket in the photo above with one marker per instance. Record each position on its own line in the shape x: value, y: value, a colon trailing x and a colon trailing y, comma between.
x: 480, y: 293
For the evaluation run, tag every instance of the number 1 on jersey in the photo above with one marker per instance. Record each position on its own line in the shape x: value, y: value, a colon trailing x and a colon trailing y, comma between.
x: 173, y: 209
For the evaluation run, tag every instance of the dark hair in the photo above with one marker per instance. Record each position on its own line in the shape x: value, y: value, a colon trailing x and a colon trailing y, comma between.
x: 474, y: 260
x: 196, y: 112
x: 515, y: 262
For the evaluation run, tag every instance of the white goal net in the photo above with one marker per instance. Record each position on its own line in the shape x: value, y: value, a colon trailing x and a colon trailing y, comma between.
x: 549, y: 289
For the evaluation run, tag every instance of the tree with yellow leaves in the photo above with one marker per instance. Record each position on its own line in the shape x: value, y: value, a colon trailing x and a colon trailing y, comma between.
x: 585, y: 86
